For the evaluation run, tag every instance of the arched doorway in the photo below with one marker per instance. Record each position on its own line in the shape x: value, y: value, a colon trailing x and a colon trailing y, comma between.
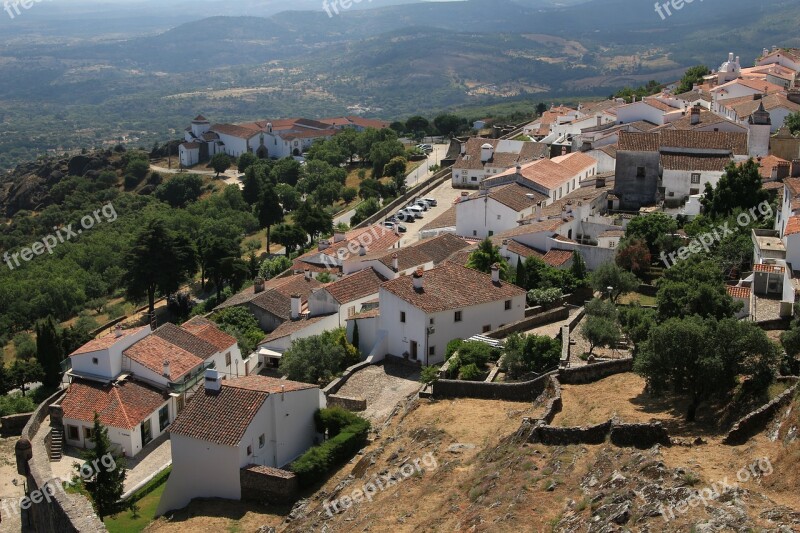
x: 262, y: 152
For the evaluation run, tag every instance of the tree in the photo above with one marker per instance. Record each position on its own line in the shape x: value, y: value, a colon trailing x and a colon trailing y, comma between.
x: 637, y: 322
x: 290, y: 236
x: 395, y: 167
x: 287, y: 171
x: 180, y: 190
x: 6, y: 383
x: 137, y: 168
x: 611, y: 279
x: 288, y: 196
x: 634, y: 256
x: 694, y: 287
x: 23, y: 372
x: 382, y: 152
x: 318, y: 359
x: 49, y: 351
x: 529, y: 353
x: 221, y: 260
x: 220, y: 163
x: 242, y: 325
x: 349, y: 194
x: 313, y: 219
x: 356, y: 337
x: 448, y: 124
x: 541, y: 108
x: 650, y: 228
x: 252, y: 185
x: 106, y: 483
x: 485, y: 256
x: 399, y: 127
x: 417, y: 124
x: 740, y: 187
x: 600, y: 331
x: 706, y: 357
x: 245, y: 160
x: 365, y: 210
x: 159, y: 261
x: 792, y: 122
x: 370, y: 188
x: 269, y: 209
x: 692, y: 76
x: 578, y: 268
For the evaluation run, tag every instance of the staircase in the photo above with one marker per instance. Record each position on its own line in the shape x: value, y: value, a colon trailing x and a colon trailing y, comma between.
x: 56, y: 444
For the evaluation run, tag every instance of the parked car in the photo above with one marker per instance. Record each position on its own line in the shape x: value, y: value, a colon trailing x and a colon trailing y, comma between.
x: 417, y: 211
x: 404, y: 215
x: 392, y: 225
x: 431, y: 201
x: 419, y: 203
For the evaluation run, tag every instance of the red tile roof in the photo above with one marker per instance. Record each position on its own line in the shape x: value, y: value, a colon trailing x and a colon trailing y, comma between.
x: 354, y: 287
x: 209, y: 332
x: 124, y: 406
x: 557, y: 258
x: 267, y: 384
x: 772, y: 269
x: 695, y: 162
x: 742, y: 293
x: 450, y: 286
x: 290, y: 327
x: 638, y: 142
x: 152, y: 351
x: 106, y: 341
x: 184, y: 339
x: 792, y: 226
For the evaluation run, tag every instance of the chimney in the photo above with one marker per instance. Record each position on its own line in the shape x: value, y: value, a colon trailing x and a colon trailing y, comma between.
x: 258, y: 285
x: 504, y: 249
x: 324, y: 245
x: 564, y: 214
x: 166, y: 372
x: 213, y: 380
x: 795, y: 172
x: 338, y: 236
x: 487, y: 152
x: 599, y: 120
x: 793, y: 95
x: 296, y: 304
x: 395, y: 262
x: 496, y: 273
x: 539, y: 216
x: 418, y: 280
x: 519, y: 169
x: 783, y: 170
x: 363, y: 251
x: 307, y: 274
x: 695, y: 116
x: 118, y: 331
x: 341, y: 254
x: 463, y: 148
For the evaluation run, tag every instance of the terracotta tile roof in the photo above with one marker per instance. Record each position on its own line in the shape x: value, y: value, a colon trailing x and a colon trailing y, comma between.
x: 374, y: 238
x: 106, y: 341
x: 543, y: 172
x: 267, y: 384
x: 355, y: 286
x: 769, y: 163
x: 694, y: 95
x: 182, y: 338
x: 190, y: 146
x: 220, y: 417
x: 557, y: 258
x: 275, y: 303
x: 576, y: 162
x: 506, y: 154
x: 746, y: 106
x: 451, y: 286
x: 123, y: 406
x: 704, y: 140
x: 310, y: 134
x: 792, y: 226
x: 361, y: 122
x: 209, y: 332
x: 762, y: 86
x: 445, y: 220
x: 772, y: 269
x: 200, y: 118
x: 513, y: 196
x: 742, y: 293
x: 793, y: 184
x: 658, y: 104
x: 791, y: 53
x: 523, y: 250
x: 609, y: 149
x: 549, y: 225
x: 703, y: 163
x: 269, y: 471
x: 240, y: 132
x: 707, y: 118
x: 461, y: 257
x: 441, y: 247
x: 152, y: 351
x: 290, y: 327
x: 613, y: 233
x: 638, y: 142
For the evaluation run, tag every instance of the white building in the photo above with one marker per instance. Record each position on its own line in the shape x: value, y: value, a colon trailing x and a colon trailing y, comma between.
x: 234, y: 424
x: 495, y: 210
x: 482, y: 158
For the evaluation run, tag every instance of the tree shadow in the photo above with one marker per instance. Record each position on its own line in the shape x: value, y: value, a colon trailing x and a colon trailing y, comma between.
x: 706, y: 422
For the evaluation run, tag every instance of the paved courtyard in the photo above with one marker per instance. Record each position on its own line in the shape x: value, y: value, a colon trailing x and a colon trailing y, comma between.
x: 383, y: 386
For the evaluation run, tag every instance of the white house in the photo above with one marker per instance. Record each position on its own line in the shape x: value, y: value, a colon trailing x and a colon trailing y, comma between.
x: 482, y: 158
x: 495, y: 210
x: 420, y: 314
x: 234, y: 424
x: 777, y: 106
x: 424, y: 254
x: 786, y: 57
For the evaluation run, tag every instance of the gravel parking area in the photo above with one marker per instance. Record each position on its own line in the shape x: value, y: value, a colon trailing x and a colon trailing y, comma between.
x: 383, y: 386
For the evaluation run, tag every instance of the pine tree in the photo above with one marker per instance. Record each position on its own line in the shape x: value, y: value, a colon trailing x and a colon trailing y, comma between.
x: 355, y: 335
x: 520, y: 281
x: 49, y: 351
x: 106, y: 483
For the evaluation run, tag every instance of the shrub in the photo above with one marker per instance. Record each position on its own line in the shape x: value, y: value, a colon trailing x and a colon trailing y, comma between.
x: 470, y: 372
x: 453, y: 346
x: 544, y: 296
x: 429, y: 374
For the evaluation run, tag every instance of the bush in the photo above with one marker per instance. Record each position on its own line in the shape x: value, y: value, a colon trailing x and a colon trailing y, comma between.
x: 453, y: 346
x: 429, y: 374
x: 470, y: 372
x: 24, y: 345
x: 544, y: 296
x: 16, y: 403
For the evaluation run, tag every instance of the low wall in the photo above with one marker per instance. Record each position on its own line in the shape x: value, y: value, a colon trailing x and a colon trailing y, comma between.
x: 577, y: 319
x: 61, y: 512
x: 526, y: 391
x: 756, y: 421
x: 590, y: 373
x: 345, y: 402
x: 777, y: 324
x: 639, y: 435
x: 546, y: 317
x: 557, y: 436
x: 268, y: 485
x: 13, y: 424
x: 555, y: 403
x: 334, y: 386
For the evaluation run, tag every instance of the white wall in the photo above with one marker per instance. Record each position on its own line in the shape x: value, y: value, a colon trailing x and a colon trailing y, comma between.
x: 679, y: 182
x: 605, y: 163
x: 109, y: 364
x: 792, y: 244
x: 639, y: 111
x: 476, y: 218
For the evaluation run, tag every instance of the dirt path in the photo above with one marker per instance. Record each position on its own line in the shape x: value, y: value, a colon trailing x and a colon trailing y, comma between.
x: 383, y: 386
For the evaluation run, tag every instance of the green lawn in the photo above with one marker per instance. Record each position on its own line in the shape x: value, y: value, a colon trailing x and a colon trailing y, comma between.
x: 628, y: 299
x: 124, y: 522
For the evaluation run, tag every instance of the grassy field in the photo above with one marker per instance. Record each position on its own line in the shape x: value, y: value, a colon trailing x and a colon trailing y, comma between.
x: 125, y: 522
x: 633, y: 297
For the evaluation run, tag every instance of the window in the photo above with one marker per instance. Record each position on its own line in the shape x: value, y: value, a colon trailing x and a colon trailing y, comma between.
x: 95, y: 361
x: 458, y: 316
x: 249, y: 450
x: 695, y: 179
x: 487, y: 329
x: 612, y: 244
x: 73, y: 433
x: 163, y: 417
x: 499, y: 217
x: 508, y: 305
x: 351, y: 311
x: 431, y: 351
x: 431, y: 321
x: 474, y: 233
x: 179, y: 404
x: 228, y: 359
x: 474, y: 178
x: 694, y: 191
x: 491, y: 233
x: 261, y: 441
x: 88, y: 432
x: 640, y: 172
x: 403, y: 317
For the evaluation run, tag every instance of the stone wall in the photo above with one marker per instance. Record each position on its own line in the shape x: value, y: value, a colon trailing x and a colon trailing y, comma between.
x: 13, y: 424
x: 577, y: 319
x: 264, y: 484
x: 60, y: 512
x: 555, y: 403
x: 756, y: 421
x: 590, y: 373
x: 639, y: 435
x: 345, y: 402
x: 558, y: 436
x: 545, y: 317
x: 338, y: 383
x: 526, y: 391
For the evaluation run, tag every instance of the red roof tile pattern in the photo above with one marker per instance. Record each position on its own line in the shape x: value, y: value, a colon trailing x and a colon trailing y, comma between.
x: 152, y: 351
x: 451, y: 286
x: 182, y: 338
x: 742, y: 293
x: 638, y: 142
x: 356, y: 286
x: 221, y: 417
x: 106, y: 341
x: 793, y: 184
x: 123, y: 406
x: 771, y: 269
x: 701, y: 163
x: 209, y: 332
x: 289, y: 327
x: 441, y: 247
x: 267, y: 384
x: 792, y: 226
x: 445, y: 220
x: 557, y: 258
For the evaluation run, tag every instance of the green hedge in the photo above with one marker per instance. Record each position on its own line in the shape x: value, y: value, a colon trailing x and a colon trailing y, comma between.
x: 347, y: 434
